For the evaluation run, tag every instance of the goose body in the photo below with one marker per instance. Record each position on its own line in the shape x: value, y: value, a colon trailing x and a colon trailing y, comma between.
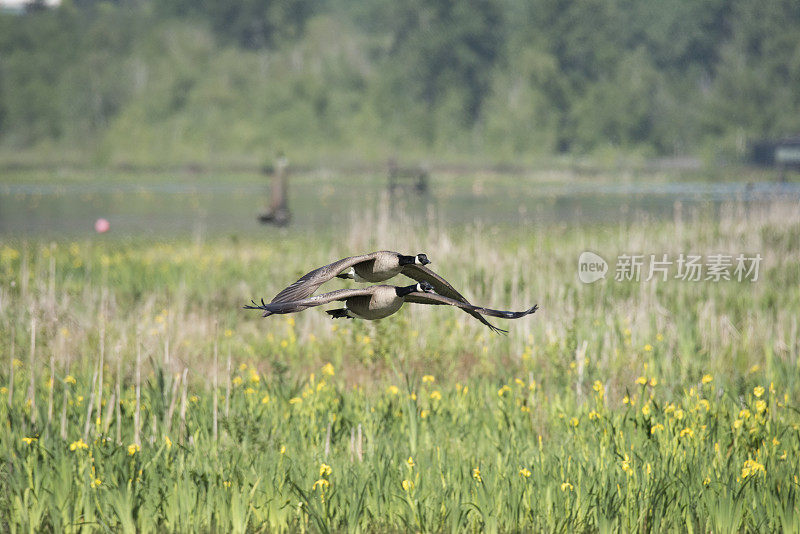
x: 373, y: 267
x: 383, y: 302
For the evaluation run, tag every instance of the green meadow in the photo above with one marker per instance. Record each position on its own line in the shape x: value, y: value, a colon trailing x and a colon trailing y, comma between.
x: 138, y: 395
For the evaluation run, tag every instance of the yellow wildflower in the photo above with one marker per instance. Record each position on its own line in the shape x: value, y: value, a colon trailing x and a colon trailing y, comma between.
x: 761, y: 406
x: 408, y: 485
x: 656, y: 427
x: 410, y: 462
x: 328, y: 370
x: 194, y: 399
x: 758, y: 391
x: 242, y: 367
x: 248, y: 391
x: 476, y: 474
x: 503, y: 390
x: 738, y: 424
x: 69, y: 379
x: 133, y: 448
x: 393, y: 390
x: 687, y: 432
x: 295, y: 400
x: 254, y: 378
x: 678, y: 414
x: 642, y: 380
x: 322, y: 483
x: 744, y: 413
x: 593, y: 415
x: 752, y: 468
x: 626, y: 465
x: 265, y: 399
x: 566, y: 486
x: 428, y: 378
x: 167, y: 441
x: 237, y: 380
x: 574, y: 421
x: 646, y: 409
x: 599, y: 388
x: 436, y: 395
x: 659, y: 337
x: 325, y: 470
x: 77, y: 445
x: 653, y: 382
x: 283, y: 449
x: 648, y: 347
x: 525, y: 472
x: 424, y: 413
x: 96, y: 482
x: 28, y: 441
x: 707, y: 378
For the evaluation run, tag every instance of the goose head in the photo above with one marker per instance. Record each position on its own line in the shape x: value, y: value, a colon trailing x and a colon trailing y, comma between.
x: 422, y: 259
x: 424, y: 287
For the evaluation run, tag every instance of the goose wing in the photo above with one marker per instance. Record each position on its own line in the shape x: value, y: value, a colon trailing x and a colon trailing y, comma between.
x: 434, y: 299
x: 443, y: 288
x: 309, y: 282
x: 302, y: 304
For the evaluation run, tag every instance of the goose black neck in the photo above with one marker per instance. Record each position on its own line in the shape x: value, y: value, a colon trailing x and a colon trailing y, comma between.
x: 406, y: 260
x: 403, y: 291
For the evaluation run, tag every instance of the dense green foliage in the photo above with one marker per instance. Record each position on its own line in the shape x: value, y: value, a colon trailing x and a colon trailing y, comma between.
x: 632, y: 406
x: 179, y: 81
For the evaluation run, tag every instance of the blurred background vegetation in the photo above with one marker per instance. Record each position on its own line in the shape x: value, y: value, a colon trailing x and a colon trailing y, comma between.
x: 234, y: 81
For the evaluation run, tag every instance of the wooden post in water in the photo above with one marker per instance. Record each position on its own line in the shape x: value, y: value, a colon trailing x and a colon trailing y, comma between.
x: 278, y: 212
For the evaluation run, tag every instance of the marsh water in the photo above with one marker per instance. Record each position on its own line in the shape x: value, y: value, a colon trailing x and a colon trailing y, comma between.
x: 228, y: 204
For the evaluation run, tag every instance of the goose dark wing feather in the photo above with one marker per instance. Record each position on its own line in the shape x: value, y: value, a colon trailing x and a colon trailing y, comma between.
x: 309, y: 282
x: 432, y: 298
x: 421, y: 273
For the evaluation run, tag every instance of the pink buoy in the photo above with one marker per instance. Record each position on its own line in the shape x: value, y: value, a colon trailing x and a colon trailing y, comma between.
x: 101, y: 226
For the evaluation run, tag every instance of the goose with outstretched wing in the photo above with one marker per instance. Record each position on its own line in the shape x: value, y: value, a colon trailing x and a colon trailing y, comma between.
x: 379, y: 301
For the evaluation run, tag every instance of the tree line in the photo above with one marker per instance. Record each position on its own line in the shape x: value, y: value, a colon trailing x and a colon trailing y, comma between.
x: 185, y: 80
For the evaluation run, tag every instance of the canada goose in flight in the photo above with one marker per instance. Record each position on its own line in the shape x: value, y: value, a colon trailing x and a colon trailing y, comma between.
x: 379, y: 301
x: 376, y: 267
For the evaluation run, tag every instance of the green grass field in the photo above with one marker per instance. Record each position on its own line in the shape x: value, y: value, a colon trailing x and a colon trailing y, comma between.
x: 137, y: 394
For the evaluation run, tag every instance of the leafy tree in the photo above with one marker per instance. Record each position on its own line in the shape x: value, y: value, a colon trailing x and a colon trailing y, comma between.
x: 445, y: 48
